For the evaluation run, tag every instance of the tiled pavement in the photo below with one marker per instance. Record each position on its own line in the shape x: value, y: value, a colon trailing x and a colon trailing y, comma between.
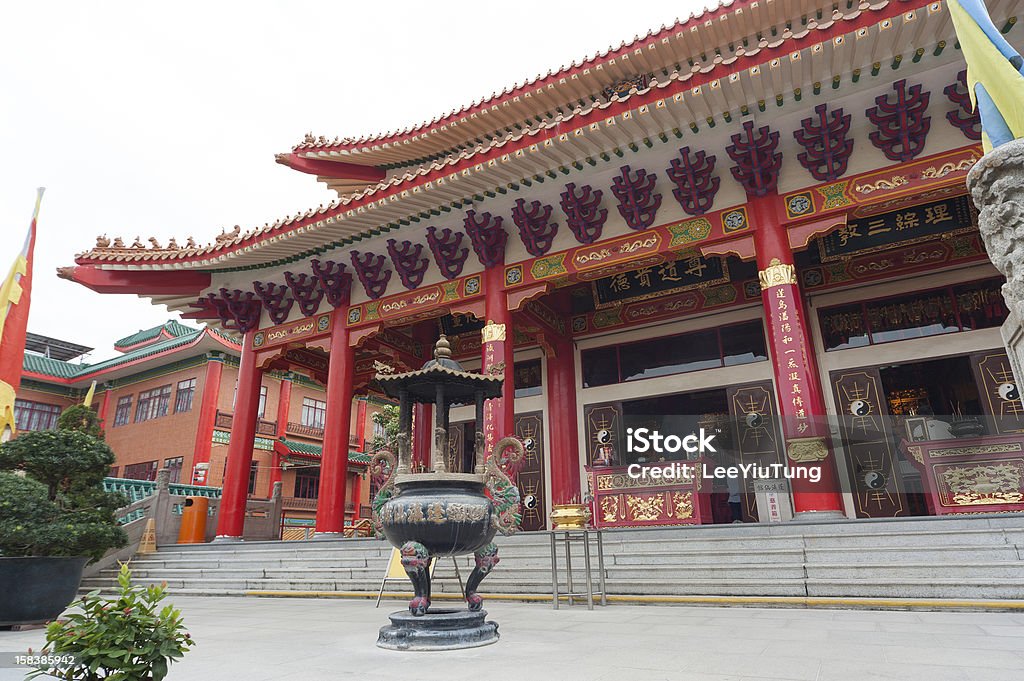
x: 313, y: 640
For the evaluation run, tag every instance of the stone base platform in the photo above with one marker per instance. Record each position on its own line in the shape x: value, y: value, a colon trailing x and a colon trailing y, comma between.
x: 438, y: 630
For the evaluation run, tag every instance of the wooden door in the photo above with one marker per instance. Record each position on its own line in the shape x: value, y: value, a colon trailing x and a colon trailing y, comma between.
x: 530, y: 479
x: 998, y: 392
x: 755, y: 432
x: 866, y: 428
x: 605, y: 436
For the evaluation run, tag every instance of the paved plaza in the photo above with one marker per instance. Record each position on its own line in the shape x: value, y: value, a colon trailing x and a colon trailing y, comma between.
x: 322, y: 639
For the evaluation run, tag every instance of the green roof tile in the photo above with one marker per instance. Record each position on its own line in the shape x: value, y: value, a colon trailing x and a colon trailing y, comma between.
x: 310, y: 449
x: 172, y: 327
x: 51, y: 367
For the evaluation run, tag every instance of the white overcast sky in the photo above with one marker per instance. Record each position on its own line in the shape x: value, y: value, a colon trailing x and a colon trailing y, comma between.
x: 147, y: 119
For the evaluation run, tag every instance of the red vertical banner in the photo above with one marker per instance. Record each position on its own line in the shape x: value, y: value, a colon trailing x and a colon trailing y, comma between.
x: 284, y: 403
x: 797, y: 385
x: 496, y: 341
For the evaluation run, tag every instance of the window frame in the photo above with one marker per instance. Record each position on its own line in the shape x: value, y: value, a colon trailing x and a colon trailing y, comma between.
x: 185, y: 389
x: 153, y: 404
x: 38, y: 415
x: 311, y: 405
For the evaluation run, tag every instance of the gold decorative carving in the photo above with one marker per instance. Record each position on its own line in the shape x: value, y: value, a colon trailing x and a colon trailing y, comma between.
x: 1005, y: 448
x: 981, y: 485
x: 496, y: 369
x: 806, y: 449
x: 682, y: 505
x: 915, y: 451
x: 882, y: 185
x: 934, y: 173
x: 646, y: 508
x: 610, y: 509
x: 492, y: 332
x: 776, y: 274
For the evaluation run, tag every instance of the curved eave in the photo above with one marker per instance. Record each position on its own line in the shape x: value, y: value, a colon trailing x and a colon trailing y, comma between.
x: 673, y: 102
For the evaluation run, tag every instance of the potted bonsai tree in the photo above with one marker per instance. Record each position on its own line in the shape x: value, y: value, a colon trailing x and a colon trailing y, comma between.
x: 54, y: 515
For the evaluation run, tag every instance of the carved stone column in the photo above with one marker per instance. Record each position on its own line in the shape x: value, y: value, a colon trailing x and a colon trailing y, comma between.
x: 996, y: 184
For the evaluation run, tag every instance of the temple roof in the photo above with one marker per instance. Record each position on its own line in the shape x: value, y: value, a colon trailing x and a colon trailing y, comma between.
x: 138, y: 359
x: 313, y: 452
x: 169, y: 329
x: 698, y: 44
x: 766, y: 69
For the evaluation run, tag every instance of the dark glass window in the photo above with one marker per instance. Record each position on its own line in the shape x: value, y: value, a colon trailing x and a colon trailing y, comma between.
x: 307, y: 483
x: 600, y: 366
x: 173, y: 467
x: 977, y: 305
x: 528, y: 379
x: 123, y: 414
x: 708, y: 349
x: 141, y: 471
x: 183, y: 397
x: 744, y: 344
x: 673, y: 355
x: 314, y: 412
x: 153, y: 403
x: 844, y: 327
x: 254, y: 471
x: 262, y: 409
x: 980, y: 305
x: 35, y: 415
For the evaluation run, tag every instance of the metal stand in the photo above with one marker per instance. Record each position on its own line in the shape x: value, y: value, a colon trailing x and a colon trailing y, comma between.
x: 567, y: 537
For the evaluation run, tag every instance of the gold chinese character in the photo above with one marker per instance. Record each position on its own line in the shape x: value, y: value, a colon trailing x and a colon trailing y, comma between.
x: 668, y: 272
x: 794, y: 376
x: 696, y: 267
x: 782, y: 305
x: 791, y: 364
x: 877, y: 227
x: 783, y: 316
x: 796, y: 389
x: 786, y: 328
x: 787, y: 340
x: 620, y: 282
x: 780, y: 293
x: 435, y: 513
x: 798, y: 401
x: 847, y: 232
x: 802, y: 428
x: 907, y: 220
x: 936, y: 214
x: 801, y: 414
x: 643, y: 276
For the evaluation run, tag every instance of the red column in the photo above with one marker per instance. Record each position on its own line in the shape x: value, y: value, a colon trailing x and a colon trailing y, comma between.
x: 284, y: 402
x: 243, y: 436
x: 207, y: 414
x: 797, y: 385
x: 423, y: 414
x: 361, y: 424
x: 330, y: 507
x: 560, y: 388
x: 499, y: 413
x: 357, y: 493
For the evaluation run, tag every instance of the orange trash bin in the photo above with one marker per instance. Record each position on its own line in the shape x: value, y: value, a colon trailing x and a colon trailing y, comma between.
x: 193, y: 520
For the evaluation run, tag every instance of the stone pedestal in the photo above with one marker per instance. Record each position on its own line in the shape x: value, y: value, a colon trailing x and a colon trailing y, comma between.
x: 438, y: 630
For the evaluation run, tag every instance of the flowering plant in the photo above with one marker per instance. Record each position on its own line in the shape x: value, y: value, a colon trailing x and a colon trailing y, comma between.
x: 126, y: 638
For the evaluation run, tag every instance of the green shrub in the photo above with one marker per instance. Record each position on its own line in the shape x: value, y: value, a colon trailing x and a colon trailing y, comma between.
x: 81, y: 418
x: 127, y: 638
x: 60, y: 508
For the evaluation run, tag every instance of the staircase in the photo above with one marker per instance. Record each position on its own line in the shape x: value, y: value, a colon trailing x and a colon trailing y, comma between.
x: 979, y: 557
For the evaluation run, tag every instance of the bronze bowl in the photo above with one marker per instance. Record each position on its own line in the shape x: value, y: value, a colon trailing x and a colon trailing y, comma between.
x: 448, y: 517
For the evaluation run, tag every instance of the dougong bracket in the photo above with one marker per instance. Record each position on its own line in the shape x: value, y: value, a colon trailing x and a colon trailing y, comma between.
x: 306, y: 291
x: 638, y: 202
x: 372, y: 273
x: 448, y: 252
x: 535, y: 228
x: 583, y: 212
x: 275, y: 299
x: 408, y: 263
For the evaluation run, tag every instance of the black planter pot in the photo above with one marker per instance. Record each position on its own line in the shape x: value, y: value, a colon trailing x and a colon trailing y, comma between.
x: 36, y: 590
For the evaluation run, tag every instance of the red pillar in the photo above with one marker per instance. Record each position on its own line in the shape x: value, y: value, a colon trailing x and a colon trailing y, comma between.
x: 797, y: 385
x: 499, y: 413
x: 562, y: 421
x: 357, y: 493
x: 361, y: 424
x: 330, y: 507
x: 243, y: 436
x: 423, y: 414
x: 284, y: 402
x: 207, y: 415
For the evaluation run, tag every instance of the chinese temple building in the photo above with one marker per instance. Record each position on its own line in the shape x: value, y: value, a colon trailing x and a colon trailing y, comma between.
x: 165, y: 401
x: 755, y: 218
